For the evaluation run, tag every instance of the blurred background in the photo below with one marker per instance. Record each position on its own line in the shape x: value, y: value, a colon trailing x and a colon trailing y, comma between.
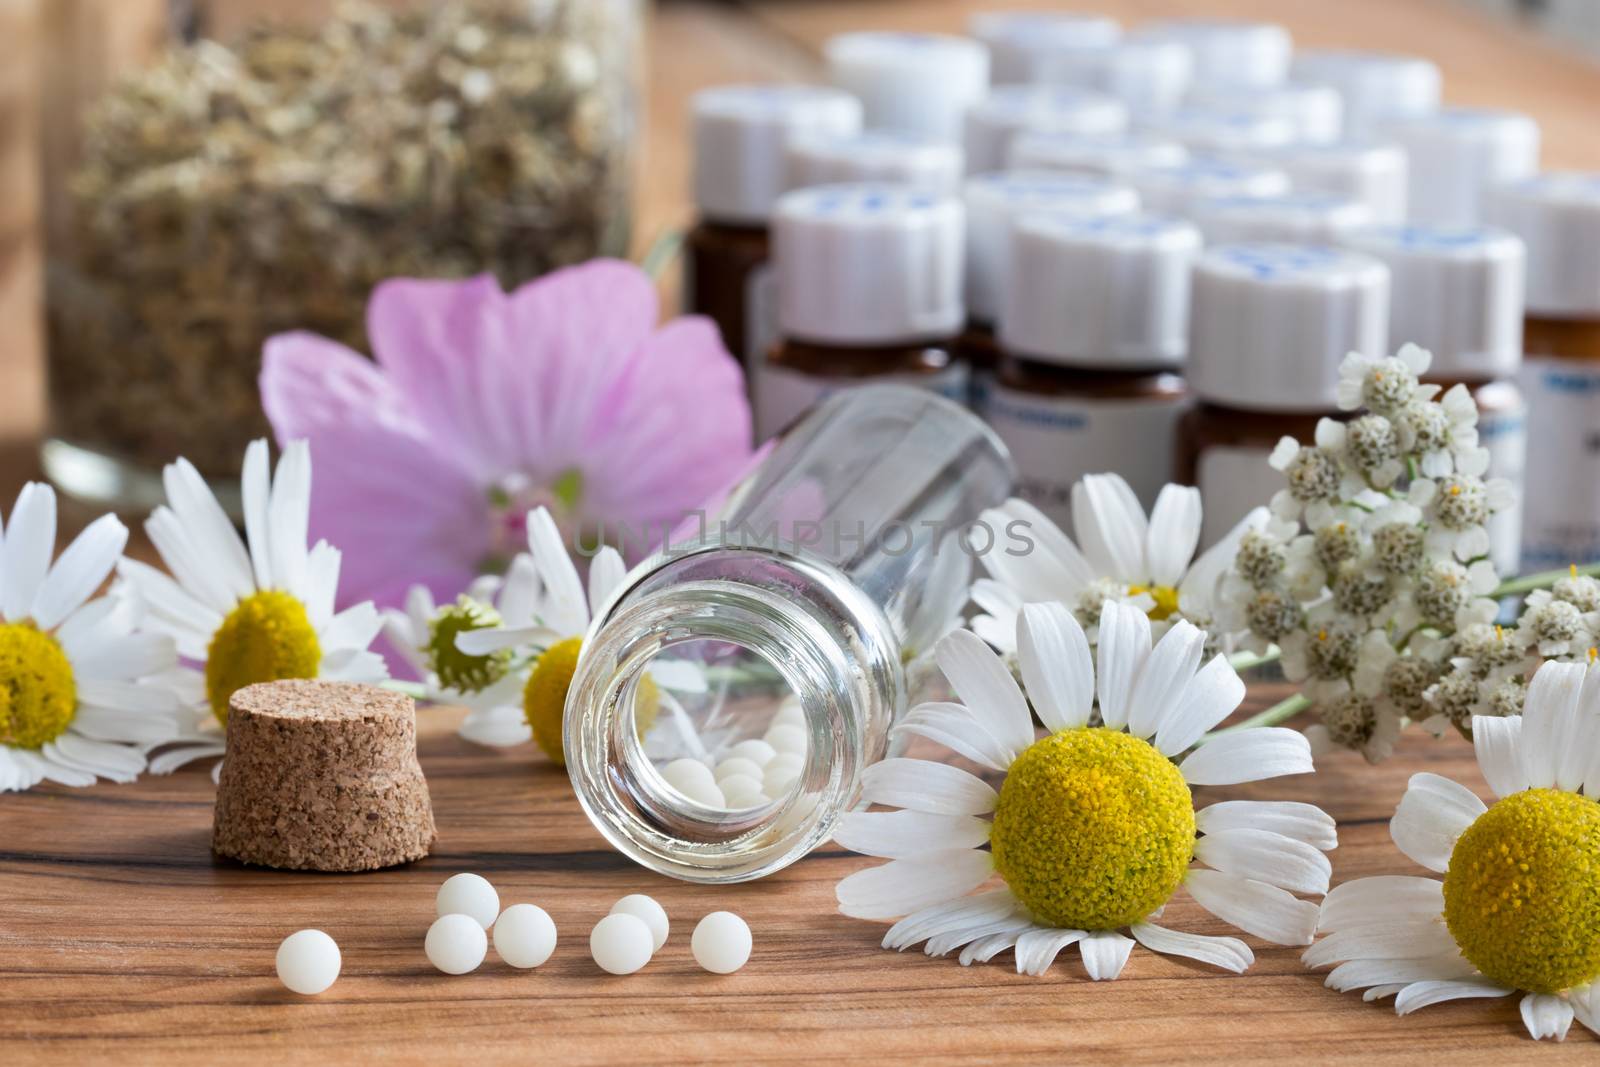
x: 584, y: 149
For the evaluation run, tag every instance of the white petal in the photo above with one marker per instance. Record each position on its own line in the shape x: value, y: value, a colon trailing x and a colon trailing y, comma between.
x: 55, y: 770
x: 185, y: 562
x: 954, y: 727
x: 987, y: 948
x: 1165, y: 678
x: 498, y: 727
x: 210, y: 529
x: 107, y: 724
x: 1069, y: 570
x: 322, y: 584
x: 922, y: 785
x: 1423, y: 994
x: 126, y: 696
x: 353, y: 665
x: 1198, y: 590
x: 16, y: 773
x: 25, y: 553
x: 1256, y: 908
x: 986, y: 687
x: 990, y: 933
x: 113, y: 762
x: 1433, y: 812
x: 1404, y: 939
x: 170, y: 759
x: 1229, y: 953
x: 1266, y: 857
x: 1498, y: 743
x: 606, y: 573
x: 1302, y: 822
x: 353, y: 628
x: 289, y: 516
x: 1380, y: 899
x: 679, y: 675
x: 1174, y: 533
x: 1037, y: 949
x: 255, y: 487
x: 1549, y: 716
x: 166, y: 597
x: 904, y: 886
x: 1585, y: 1000
x: 1248, y: 756
x: 1053, y: 654
x: 79, y: 571
x: 1105, y: 953
x: 126, y: 658
x: 904, y: 834
x: 1210, y: 697
x: 1111, y: 526
x: 564, y: 608
x: 948, y: 916
x: 483, y: 642
x: 1545, y: 1015
x: 1124, y: 645
x: 1358, y: 973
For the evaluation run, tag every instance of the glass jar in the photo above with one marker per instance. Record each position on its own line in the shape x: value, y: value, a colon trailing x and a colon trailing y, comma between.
x: 267, y: 180
x: 841, y: 556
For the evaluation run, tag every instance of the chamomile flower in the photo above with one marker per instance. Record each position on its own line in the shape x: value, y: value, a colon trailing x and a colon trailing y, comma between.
x: 1518, y: 907
x: 489, y: 686
x: 1119, y: 555
x: 83, y: 694
x: 246, y: 611
x: 1115, y: 798
x: 552, y: 615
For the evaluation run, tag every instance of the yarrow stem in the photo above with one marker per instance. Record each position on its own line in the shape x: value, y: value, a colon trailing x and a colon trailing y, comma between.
x: 415, y: 690
x: 1281, y: 712
x: 1543, y: 580
x: 1244, y: 661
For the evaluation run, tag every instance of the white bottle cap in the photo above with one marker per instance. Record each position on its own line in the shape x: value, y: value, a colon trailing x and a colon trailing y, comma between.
x: 1098, y: 157
x: 1009, y: 110
x: 1374, y: 174
x: 1150, y: 76
x: 1175, y: 189
x: 1456, y: 291
x: 1316, y: 112
x: 911, y: 82
x: 1228, y: 51
x: 1557, y: 215
x: 995, y: 201
x: 740, y: 132
x: 876, y: 156
x: 1376, y: 86
x: 1457, y: 154
x: 1222, y: 131
x: 1294, y: 218
x: 1270, y: 324
x: 1109, y: 292
x: 867, y: 264
x: 1014, y: 38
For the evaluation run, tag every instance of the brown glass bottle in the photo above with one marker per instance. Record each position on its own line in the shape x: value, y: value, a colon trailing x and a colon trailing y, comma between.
x: 1062, y: 423
x: 979, y: 349
x: 729, y: 280
x: 1223, y: 451
x: 798, y: 374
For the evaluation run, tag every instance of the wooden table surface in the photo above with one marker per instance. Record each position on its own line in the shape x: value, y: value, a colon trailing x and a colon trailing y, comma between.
x: 122, y: 938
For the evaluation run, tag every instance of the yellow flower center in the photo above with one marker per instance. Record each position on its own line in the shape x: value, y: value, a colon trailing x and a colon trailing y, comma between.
x: 38, y: 695
x: 544, y: 698
x: 1165, y: 596
x: 458, y: 670
x: 265, y: 638
x: 1094, y: 829
x: 1522, y: 896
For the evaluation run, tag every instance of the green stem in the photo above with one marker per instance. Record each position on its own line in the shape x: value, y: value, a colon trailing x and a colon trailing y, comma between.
x: 662, y: 251
x: 1542, y: 580
x: 1244, y: 661
x: 1281, y: 712
x: 415, y: 690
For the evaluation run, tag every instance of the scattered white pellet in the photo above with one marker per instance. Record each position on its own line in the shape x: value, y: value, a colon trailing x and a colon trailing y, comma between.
x: 721, y: 942
x: 621, y: 943
x: 524, y: 935
x: 468, y: 894
x: 740, y: 790
x: 456, y: 944
x: 684, y: 774
x: 758, y: 752
x: 308, y: 962
x: 654, y: 915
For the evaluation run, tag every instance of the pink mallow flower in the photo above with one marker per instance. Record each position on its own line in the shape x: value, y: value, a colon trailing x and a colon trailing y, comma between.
x: 482, y: 405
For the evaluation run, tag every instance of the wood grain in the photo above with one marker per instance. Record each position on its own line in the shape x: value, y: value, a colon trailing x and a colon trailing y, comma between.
x: 122, y: 937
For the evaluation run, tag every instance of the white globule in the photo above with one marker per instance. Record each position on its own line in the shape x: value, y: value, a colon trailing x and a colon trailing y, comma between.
x: 468, y: 894
x: 721, y: 942
x: 647, y: 909
x: 741, y: 791
x: 786, y: 738
x: 308, y: 962
x: 456, y: 944
x: 738, y: 765
x: 790, y: 714
x: 525, y: 935
x: 694, y: 780
x: 758, y: 752
x: 621, y: 943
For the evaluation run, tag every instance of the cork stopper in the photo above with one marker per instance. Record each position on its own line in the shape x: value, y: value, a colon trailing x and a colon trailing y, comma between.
x: 322, y: 776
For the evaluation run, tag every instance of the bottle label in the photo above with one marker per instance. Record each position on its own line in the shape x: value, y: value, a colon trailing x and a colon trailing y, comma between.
x: 783, y: 395
x: 1505, y: 435
x: 1233, y: 481
x: 1056, y: 440
x: 981, y: 384
x: 760, y: 315
x: 1561, y: 498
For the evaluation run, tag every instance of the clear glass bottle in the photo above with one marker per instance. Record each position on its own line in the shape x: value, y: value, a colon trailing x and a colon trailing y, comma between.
x: 799, y: 600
